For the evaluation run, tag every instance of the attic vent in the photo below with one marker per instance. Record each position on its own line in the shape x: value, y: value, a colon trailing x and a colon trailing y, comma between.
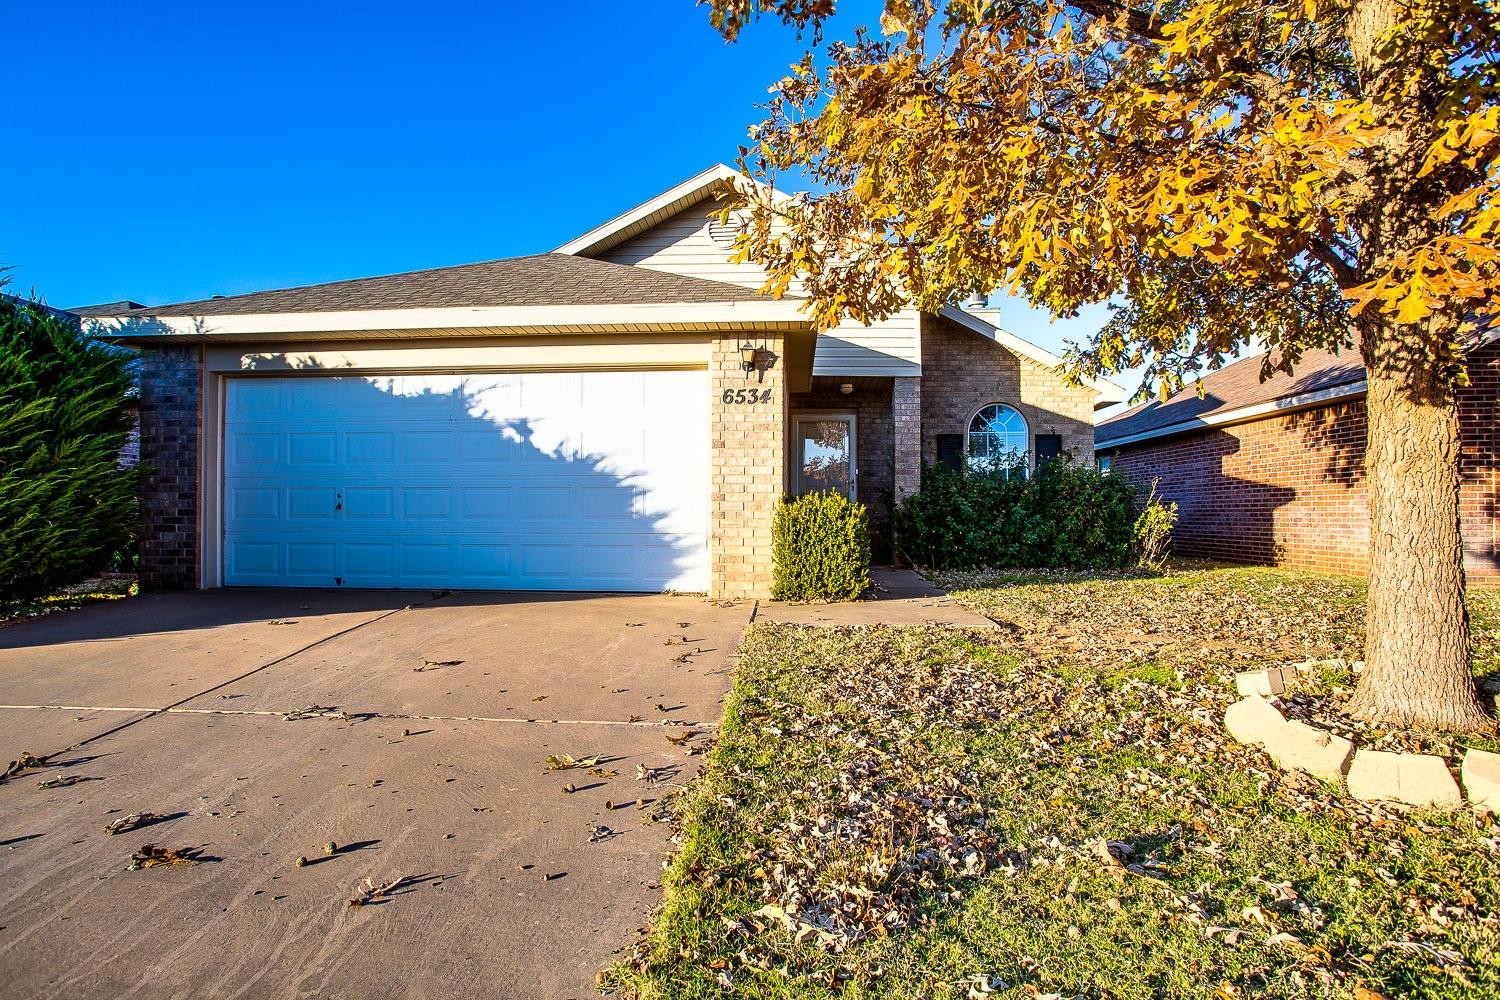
x: 724, y: 233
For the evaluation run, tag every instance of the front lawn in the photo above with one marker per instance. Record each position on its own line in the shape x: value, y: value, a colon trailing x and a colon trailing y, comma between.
x: 1053, y: 809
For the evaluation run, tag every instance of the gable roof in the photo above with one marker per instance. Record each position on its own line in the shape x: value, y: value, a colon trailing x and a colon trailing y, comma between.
x: 548, y: 279
x: 1109, y: 393
x: 718, y: 178
x: 698, y: 188
x: 1236, y: 392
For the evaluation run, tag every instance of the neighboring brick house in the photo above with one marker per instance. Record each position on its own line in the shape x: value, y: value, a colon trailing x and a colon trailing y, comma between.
x: 1273, y: 472
x: 623, y: 413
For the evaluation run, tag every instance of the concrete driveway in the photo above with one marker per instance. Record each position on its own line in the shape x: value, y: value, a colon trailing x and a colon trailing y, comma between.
x: 174, y: 705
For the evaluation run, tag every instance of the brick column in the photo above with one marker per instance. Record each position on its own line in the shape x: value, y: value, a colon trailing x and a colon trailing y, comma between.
x: 906, y: 435
x: 171, y: 422
x: 747, y: 467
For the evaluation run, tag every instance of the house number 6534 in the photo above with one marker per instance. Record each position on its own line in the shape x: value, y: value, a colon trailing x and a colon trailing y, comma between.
x: 747, y: 396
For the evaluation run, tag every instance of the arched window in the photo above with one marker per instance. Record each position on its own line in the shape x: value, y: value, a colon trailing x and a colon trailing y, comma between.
x: 998, y: 436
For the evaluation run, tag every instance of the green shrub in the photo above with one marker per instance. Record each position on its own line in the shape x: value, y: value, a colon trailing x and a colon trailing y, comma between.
x: 66, y: 508
x: 1061, y: 516
x: 820, y: 549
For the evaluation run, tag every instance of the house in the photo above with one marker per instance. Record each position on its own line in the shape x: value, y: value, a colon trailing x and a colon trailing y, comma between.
x: 622, y: 413
x: 1273, y: 472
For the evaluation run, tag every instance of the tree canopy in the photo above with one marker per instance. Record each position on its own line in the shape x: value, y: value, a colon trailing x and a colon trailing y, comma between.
x: 1220, y: 168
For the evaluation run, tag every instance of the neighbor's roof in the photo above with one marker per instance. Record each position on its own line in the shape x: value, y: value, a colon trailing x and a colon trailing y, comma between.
x: 544, y: 279
x: 1236, y: 392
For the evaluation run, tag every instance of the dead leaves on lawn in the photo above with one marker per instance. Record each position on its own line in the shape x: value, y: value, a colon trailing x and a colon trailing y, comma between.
x: 878, y: 827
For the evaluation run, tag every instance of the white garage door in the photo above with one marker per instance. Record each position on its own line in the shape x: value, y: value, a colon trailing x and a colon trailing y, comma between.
x: 530, y: 481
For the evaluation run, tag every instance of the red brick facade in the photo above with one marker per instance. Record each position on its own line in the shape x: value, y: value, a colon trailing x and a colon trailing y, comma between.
x: 171, y: 422
x: 1289, y: 490
x: 963, y: 371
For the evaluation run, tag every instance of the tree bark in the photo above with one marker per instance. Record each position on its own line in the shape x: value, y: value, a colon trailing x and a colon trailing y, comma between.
x: 1417, y: 671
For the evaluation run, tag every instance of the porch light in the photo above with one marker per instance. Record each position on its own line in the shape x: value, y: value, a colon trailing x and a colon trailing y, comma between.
x: 846, y: 388
x: 748, y: 355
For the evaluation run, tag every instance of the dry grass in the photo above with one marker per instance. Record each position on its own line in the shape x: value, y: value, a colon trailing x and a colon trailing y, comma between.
x: 1054, y: 809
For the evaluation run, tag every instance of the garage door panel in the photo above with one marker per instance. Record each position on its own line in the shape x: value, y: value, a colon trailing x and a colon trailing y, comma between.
x: 369, y: 560
x: 254, y: 448
x: 489, y: 447
x: 426, y: 503
x: 252, y: 398
x: 370, y: 504
x: 562, y: 481
x: 313, y: 395
x: 369, y: 447
x: 250, y: 559
x: 249, y: 502
x: 537, y: 503
x: 429, y: 447
x: 311, y: 559
x: 484, y: 503
x: 312, y: 448
x: 488, y: 561
x: 600, y: 506
x: 427, y: 559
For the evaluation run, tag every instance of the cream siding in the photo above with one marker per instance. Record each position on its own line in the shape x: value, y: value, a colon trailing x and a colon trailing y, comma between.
x: 682, y: 245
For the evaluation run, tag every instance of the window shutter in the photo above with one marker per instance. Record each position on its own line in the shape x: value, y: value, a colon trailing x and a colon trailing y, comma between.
x: 950, y: 451
x: 1048, y: 447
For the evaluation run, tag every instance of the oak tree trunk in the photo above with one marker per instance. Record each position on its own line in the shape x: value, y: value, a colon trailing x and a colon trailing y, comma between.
x: 1417, y: 669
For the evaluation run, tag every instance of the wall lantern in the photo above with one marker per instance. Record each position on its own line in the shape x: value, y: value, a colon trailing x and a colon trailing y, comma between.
x: 756, y: 359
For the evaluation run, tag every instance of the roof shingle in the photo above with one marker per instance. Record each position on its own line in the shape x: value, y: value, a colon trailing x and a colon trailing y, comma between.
x: 542, y: 279
x: 1232, y: 387
x: 105, y: 308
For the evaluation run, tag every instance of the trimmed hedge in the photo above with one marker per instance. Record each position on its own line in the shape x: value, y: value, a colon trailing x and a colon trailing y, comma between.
x: 820, y: 549
x: 1062, y: 516
x: 66, y: 507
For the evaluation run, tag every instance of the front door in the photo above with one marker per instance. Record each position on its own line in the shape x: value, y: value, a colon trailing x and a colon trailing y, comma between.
x: 825, y: 453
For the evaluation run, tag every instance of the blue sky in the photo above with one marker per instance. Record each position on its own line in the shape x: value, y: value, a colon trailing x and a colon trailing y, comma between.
x: 165, y: 151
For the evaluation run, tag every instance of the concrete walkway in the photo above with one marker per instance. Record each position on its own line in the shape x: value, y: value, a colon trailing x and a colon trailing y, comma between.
x: 901, y: 597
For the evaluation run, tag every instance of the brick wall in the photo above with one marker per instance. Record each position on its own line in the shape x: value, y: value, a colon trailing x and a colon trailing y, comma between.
x: 906, y: 435
x: 747, y: 471
x: 870, y: 402
x: 1290, y: 490
x: 963, y: 372
x: 171, y: 392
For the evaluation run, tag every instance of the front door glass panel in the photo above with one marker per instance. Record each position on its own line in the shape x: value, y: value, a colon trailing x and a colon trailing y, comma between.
x: 825, y: 455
